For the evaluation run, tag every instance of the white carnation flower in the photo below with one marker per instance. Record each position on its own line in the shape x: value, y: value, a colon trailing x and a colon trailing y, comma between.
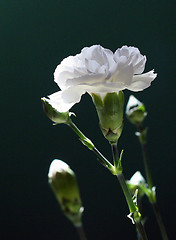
x: 99, y: 70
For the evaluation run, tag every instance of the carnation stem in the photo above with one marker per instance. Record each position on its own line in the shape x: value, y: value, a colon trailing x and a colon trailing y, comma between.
x: 143, y: 141
x: 141, y: 231
x: 91, y: 146
x: 127, y: 193
x: 81, y: 232
x: 135, y: 215
x: 160, y: 221
x: 116, y: 170
x: 132, y: 207
x: 115, y: 154
x: 122, y: 181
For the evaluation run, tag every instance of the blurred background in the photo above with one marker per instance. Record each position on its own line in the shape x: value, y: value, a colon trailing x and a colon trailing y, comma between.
x: 34, y: 37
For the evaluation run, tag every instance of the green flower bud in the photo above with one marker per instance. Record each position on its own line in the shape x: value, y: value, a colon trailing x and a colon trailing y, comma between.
x: 137, y: 181
x: 110, y: 112
x: 135, y: 111
x: 64, y: 185
x: 53, y: 114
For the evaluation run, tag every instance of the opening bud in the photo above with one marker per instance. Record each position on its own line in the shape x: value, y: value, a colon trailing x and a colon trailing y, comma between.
x: 135, y: 111
x: 110, y: 113
x: 64, y: 185
x: 53, y: 114
x: 137, y: 181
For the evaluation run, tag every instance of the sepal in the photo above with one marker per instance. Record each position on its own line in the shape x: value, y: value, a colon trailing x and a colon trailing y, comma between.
x: 110, y: 113
x: 53, y: 114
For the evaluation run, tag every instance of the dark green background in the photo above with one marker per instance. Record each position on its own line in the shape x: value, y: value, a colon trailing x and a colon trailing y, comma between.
x: 34, y: 37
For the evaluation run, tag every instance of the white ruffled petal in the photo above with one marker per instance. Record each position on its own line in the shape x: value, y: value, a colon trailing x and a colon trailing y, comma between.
x: 132, y: 56
x: 139, y: 65
x: 98, y: 70
x: 123, y: 75
x: 62, y: 101
x: 71, y: 67
x: 140, y: 82
x: 58, y: 103
x: 95, y: 52
x: 88, y: 79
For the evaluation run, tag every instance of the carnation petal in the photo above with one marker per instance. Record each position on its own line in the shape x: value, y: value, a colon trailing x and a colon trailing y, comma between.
x: 88, y: 79
x: 139, y: 65
x: 62, y: 101
x: 132, y: 56
x: 99, y: 70
x: 123, y: 75
x: 142, y: 81
x: 58, y: 103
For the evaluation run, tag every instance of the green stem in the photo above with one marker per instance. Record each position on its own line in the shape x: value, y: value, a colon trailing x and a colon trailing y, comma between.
x: 132, y: 207
x: 102, y: 159
x: 139, y: 204
x: 81, y: 232
x: 160, y: 221
x: 143, y: 142
x: 127, y: 193
x: 115, y: 154
x: 87, y: 142
x: 76, y: 130
x: 114, y: 170
x: 141, y: 230
x: 152, y: 198
x: 135, y: 215
x: 121, y: 179
x: 146, y: 164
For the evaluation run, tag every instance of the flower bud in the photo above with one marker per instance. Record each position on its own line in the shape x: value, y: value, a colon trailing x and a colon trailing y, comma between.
x: 64, y: 185
x: 135, y: 111
x: 53, y: 114
x: 110, y: 112
x: 137, y: 181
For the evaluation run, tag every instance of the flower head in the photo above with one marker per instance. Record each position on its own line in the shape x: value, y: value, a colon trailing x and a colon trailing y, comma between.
x: 99, y: 70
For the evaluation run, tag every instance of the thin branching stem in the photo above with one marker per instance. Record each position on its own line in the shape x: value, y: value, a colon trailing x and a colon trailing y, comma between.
x: 128, y: 196
x: 81, y: 232
x: 148, y: 174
